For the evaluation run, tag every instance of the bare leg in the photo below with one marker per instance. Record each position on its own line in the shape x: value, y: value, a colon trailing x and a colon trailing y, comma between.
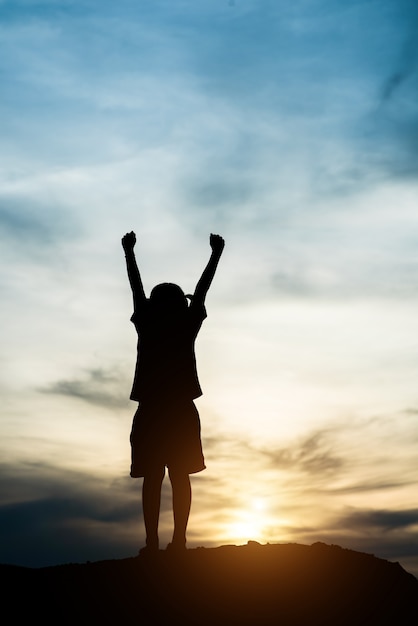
x: 182, y: 499
x: 151, y: 498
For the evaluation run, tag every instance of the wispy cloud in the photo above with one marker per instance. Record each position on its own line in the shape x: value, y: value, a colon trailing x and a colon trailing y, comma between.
x: 32, y: 225
x: 313, y: 455
x: 98, y: 387
x: 380, y: 520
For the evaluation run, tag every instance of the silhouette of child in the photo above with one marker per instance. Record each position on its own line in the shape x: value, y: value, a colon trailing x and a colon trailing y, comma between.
x: 166, y: 426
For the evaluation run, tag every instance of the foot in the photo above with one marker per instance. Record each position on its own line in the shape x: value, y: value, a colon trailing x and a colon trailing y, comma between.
x: 148, y: 552
x: 176, y: 548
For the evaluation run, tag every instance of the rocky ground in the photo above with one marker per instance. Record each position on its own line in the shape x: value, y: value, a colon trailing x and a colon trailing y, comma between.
x: 283, y: 584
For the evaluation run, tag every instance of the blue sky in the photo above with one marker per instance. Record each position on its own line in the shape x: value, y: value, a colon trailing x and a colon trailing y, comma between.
x: 291, y: 129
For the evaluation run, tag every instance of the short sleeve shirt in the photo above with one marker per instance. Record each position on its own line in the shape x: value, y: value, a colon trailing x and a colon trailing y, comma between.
x: 166, y: 361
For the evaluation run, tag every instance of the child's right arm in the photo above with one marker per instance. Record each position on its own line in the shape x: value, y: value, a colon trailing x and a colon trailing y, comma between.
x: 128, y: 243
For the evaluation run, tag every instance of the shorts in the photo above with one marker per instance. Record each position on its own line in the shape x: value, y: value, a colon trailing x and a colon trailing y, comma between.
x: 166, y: 433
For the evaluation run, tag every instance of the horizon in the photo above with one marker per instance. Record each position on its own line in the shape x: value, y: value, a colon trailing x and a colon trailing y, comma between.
x: 290, y: 131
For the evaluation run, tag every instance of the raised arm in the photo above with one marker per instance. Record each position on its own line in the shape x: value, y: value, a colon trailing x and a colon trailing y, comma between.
x: 217, y: 244
x: 128, y: 243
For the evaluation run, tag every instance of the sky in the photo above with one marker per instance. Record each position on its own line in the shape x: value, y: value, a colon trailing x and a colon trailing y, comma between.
x: 289, y: 128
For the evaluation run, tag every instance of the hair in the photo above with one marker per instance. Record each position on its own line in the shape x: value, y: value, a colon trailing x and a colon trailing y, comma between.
x: 168, y: 297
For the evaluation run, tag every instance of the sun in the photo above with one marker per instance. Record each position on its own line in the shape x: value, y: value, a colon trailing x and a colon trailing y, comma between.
x: 249, y: 523
x: 258, y: 504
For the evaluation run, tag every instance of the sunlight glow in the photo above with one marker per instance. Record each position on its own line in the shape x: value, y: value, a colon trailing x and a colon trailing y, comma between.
x: 249, y: 524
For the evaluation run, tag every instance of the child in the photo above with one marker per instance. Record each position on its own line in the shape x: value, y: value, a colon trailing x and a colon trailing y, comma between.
x: 166, y: 425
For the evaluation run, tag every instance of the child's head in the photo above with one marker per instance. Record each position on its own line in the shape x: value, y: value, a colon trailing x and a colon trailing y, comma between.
x: 168, y: 297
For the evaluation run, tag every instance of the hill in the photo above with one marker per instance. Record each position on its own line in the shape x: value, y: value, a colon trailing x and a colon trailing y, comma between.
x: 286, y: 584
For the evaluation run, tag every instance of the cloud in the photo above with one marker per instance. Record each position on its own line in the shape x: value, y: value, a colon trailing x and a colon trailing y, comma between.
x: 388, y: 533
x: 54, y: 515
x: 23, y: 228
x: 93, y: 388
x: 407, y: 64
x: 313, y: 455
x: 395, y: 81
x: 380, y: 520
x: 32, y: 222
x: 333, y: 461
x: 393, y: 128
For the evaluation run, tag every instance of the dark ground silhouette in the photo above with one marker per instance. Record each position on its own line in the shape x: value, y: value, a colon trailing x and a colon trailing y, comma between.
x: 283, y: 584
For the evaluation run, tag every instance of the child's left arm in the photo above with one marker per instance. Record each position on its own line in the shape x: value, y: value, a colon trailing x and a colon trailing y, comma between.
x: 217, y: 244
x: 128, y: 244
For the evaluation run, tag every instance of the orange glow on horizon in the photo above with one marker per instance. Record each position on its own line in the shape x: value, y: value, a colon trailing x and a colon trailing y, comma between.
x: 250, y: 524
